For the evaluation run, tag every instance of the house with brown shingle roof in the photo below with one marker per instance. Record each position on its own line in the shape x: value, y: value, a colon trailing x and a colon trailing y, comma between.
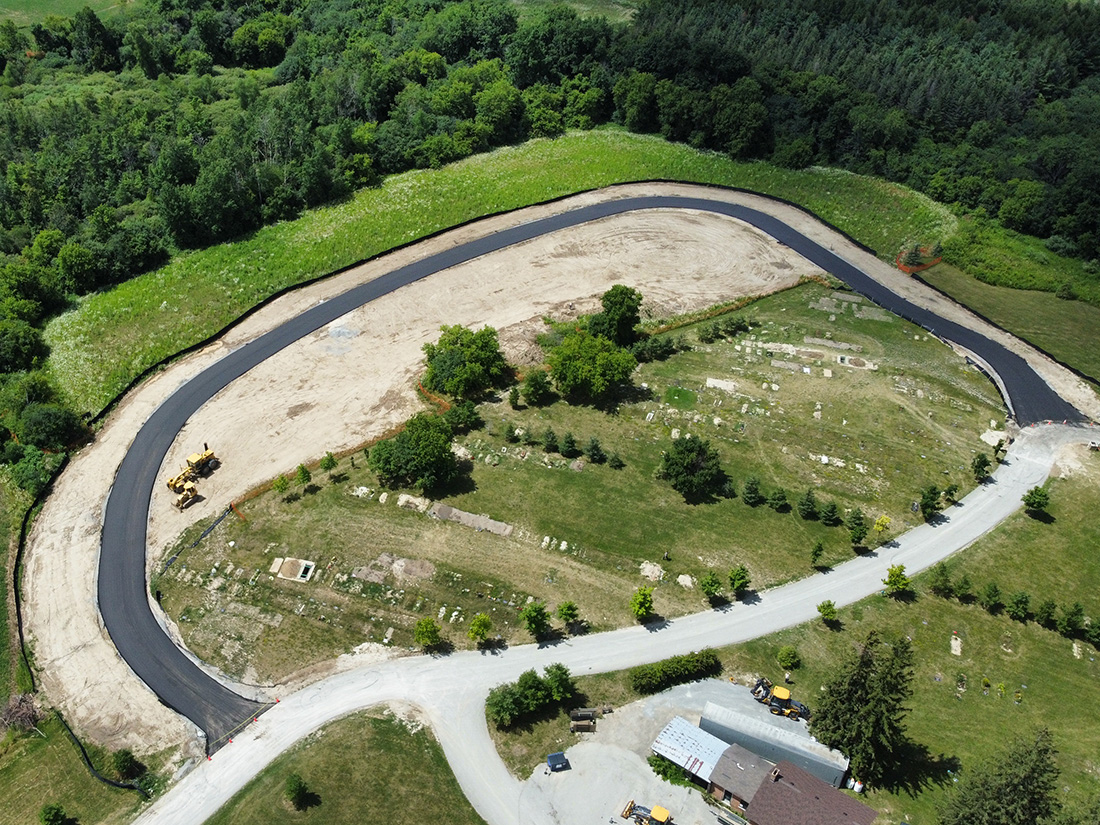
x: 791, y: 796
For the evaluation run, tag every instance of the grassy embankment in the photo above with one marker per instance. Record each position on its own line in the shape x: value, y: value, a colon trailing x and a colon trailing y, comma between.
x: 111, y: 337
x: 28, y: 12
x: 955, y: 728
x: 361, y: 768
x: 914, y: 421
x: 38, y: 770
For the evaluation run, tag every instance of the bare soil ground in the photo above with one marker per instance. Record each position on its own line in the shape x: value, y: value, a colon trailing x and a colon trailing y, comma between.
x: 355, y: 379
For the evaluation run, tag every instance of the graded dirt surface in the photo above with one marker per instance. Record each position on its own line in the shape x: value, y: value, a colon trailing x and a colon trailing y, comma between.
x: 355, y: 379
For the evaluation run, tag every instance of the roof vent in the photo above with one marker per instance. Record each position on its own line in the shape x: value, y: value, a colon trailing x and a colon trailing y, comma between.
x: 775, y: 774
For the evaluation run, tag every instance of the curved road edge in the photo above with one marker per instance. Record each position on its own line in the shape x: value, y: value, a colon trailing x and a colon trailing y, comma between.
x: 451, y: 690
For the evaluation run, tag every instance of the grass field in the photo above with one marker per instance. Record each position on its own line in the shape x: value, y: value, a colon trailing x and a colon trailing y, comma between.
x: 913, y: 421
x: 1065, y: 329
x: 363, y: 768
x: 614, y: 10
x: 111, y: 337
x: 38, y: 770
x: 956, y: 728
x: 29, y: 12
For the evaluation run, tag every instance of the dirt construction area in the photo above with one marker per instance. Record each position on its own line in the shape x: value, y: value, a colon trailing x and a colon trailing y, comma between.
x: 355, y: 379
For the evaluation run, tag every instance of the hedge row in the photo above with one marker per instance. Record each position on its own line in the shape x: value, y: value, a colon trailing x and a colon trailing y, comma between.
x: 679, y: 669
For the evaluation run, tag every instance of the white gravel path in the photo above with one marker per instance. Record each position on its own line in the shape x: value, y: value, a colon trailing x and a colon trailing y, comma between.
x: 450, y: 690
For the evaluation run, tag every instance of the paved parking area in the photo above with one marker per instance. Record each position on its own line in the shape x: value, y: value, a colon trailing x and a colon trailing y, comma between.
x: 608, y: 768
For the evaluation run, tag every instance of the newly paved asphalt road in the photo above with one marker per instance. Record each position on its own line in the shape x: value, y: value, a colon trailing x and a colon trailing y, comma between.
x: 123, y: 597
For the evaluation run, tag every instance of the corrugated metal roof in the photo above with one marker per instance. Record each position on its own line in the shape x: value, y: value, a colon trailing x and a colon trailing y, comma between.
x: 694, y: 750
x: 774, y: 743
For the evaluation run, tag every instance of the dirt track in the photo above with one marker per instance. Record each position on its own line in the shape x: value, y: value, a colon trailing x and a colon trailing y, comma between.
x: 355, y: 379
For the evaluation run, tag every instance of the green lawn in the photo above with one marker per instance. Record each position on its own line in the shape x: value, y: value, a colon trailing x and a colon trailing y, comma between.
x: 956, y: 729
x: 363, y: 768
x: 1065, y: 329
x: 111, y: 337
x: 913, y: 421
x: 38, y: 770
x: 29, y: 12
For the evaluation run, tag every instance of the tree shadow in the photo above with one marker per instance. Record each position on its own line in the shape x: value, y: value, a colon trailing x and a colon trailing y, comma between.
x: 634, y: 394
x: 908, y: 596
x: 824, y: 569
x: 493, y: 647
x: 720, y: 603
x: 916, y: 770
x: 1041, y: 516
x: 444, y: 648
x: 551, y: 638
x: 311, y: 489
x: 864, y: 550
x: 290, y: 498
x: 310, y: 799
x: 835, y: 625
x: 748, y: 597
x: 462, y: 482
x: 655, y: 622
x: 339, y: 478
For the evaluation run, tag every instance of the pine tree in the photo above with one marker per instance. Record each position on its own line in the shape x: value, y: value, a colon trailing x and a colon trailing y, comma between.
x: 862, y: 709
x: 751, y: 494
x: 830, y: 514
x: 939, y: 581
x: 807, y: 506
x: 1017, y: 787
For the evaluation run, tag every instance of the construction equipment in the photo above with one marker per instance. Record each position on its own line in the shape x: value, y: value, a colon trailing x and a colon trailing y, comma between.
x: 647, y: 816
x: 188, y: 493
x: 779, y: 701
x: 198, y: 464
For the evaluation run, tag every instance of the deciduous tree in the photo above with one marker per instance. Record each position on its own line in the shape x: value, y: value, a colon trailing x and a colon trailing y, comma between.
x: 641, y: 603
x: 1036, y: 500
x: 711, y: 585
x: 464, y: 363
x: 827, y: 611
x: 536, y: 619
x: 896, y: 581
x: 536, y: 388
x: 427, y: 634
x: 589, y: 367
x: 480, y: 627
x: 418, y: 456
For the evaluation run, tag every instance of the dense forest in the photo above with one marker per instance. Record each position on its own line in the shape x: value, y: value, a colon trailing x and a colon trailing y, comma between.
x: 181, y: 123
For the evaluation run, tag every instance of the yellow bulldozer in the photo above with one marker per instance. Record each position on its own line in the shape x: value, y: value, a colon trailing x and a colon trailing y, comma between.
x: 198, y: 464
x: 188, y: 493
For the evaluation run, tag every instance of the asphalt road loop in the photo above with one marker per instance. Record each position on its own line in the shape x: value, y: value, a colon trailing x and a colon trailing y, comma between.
x: 177, y: 681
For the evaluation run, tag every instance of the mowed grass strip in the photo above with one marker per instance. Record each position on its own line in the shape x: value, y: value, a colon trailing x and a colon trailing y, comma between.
x: 25, y: 13
x: 363, y: 768
x: 38, y: 770
x: 958, y: 728
x: 1065, y: 329
x: 111, y: 337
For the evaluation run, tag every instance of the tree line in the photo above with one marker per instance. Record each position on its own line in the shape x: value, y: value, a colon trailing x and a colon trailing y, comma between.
x: 181, y: 123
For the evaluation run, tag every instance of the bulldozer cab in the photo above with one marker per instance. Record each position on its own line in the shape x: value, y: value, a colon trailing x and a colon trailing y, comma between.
x: 779, y: 701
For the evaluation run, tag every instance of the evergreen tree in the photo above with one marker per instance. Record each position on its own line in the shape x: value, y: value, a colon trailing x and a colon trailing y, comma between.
x: 816, y: 552
x: 594, y: 451
x: 939, y: 581
x: 830, y: 514
x: 862, y: 709
x: 751, y: 494
x: 568, y: 445
x: 857, y: 527
x: 777, y: 500
x: 1018, y: 606
x: 807, y: 506
x: 1016, y: 787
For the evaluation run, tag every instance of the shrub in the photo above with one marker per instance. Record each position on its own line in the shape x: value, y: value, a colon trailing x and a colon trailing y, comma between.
x: 296, y: 792
x: 463, y: 417
x: 788, y: 658
x: 674, y: 671
x: 52, y: 814
x: 827, y: 611
x: 508, y: 703
x: 1044, y: 613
